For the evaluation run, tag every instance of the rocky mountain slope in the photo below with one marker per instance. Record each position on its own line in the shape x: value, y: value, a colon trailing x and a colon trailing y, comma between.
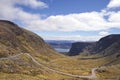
x: 105, y: 46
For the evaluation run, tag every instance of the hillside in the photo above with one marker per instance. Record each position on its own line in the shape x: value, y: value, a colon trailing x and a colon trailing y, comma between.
x: 78, y: 47
x: 25, y: 56
x: 105, y: 46
x: 15, y: 40
x: 108, y: 42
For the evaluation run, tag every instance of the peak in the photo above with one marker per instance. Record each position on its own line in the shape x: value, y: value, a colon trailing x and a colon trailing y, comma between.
x: 9, y: 28
x: 112, y: 36
x: 7, y: 22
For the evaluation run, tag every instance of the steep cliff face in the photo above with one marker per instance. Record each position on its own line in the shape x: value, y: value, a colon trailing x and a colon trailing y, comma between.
x: 105, y: 46
x: 78, y: 47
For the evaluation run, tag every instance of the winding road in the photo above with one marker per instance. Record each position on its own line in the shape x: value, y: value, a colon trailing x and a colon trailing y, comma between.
x: 92, y: 76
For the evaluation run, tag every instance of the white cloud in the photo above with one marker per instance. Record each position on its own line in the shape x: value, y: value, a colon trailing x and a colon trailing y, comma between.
x: 115, y: 17
x: 104, y: 33
x: 88, y: 21
x: 73, y: 37
x: 114, y: 4
x: 31, y: 3
x: 9, y: 10
x: 84, y: 21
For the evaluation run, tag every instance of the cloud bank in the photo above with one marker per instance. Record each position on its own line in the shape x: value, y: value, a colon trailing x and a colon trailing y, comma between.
x: 114, y: 4
x: 88, y: 21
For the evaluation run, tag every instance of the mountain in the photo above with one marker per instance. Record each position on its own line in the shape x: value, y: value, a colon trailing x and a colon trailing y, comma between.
x: 105, y: 46
x: 78, y: 47
x: 26, y: 56
x: 15, y: 40
x: 20, y: 48
x: 107, y: 42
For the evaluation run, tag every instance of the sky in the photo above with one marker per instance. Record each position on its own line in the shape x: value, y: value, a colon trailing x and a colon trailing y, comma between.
x: 79, y: 20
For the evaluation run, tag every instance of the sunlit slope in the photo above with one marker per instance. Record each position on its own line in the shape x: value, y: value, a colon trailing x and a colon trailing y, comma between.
x: 15, y: 40
x: 24, y: 55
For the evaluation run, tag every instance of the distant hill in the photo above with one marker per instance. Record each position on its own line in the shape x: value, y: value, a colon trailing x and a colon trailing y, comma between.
x: 60, y: 44
x: 105, y: 46
x: 104, y: 43
x: 78, y: 47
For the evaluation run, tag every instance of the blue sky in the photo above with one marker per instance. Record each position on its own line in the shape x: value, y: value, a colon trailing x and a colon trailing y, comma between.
x: 57, y: 7
x: 81, y: 20
x: 64, y: 7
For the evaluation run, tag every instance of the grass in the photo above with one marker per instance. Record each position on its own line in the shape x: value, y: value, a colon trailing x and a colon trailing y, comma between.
x: 74, y: 65
x: 24, y: 67
x: 108, y: 72
x: 5, y: 76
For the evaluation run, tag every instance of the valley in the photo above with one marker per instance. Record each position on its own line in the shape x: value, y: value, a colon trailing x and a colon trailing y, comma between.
x: 92, y: 76
x: 26, y: 56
